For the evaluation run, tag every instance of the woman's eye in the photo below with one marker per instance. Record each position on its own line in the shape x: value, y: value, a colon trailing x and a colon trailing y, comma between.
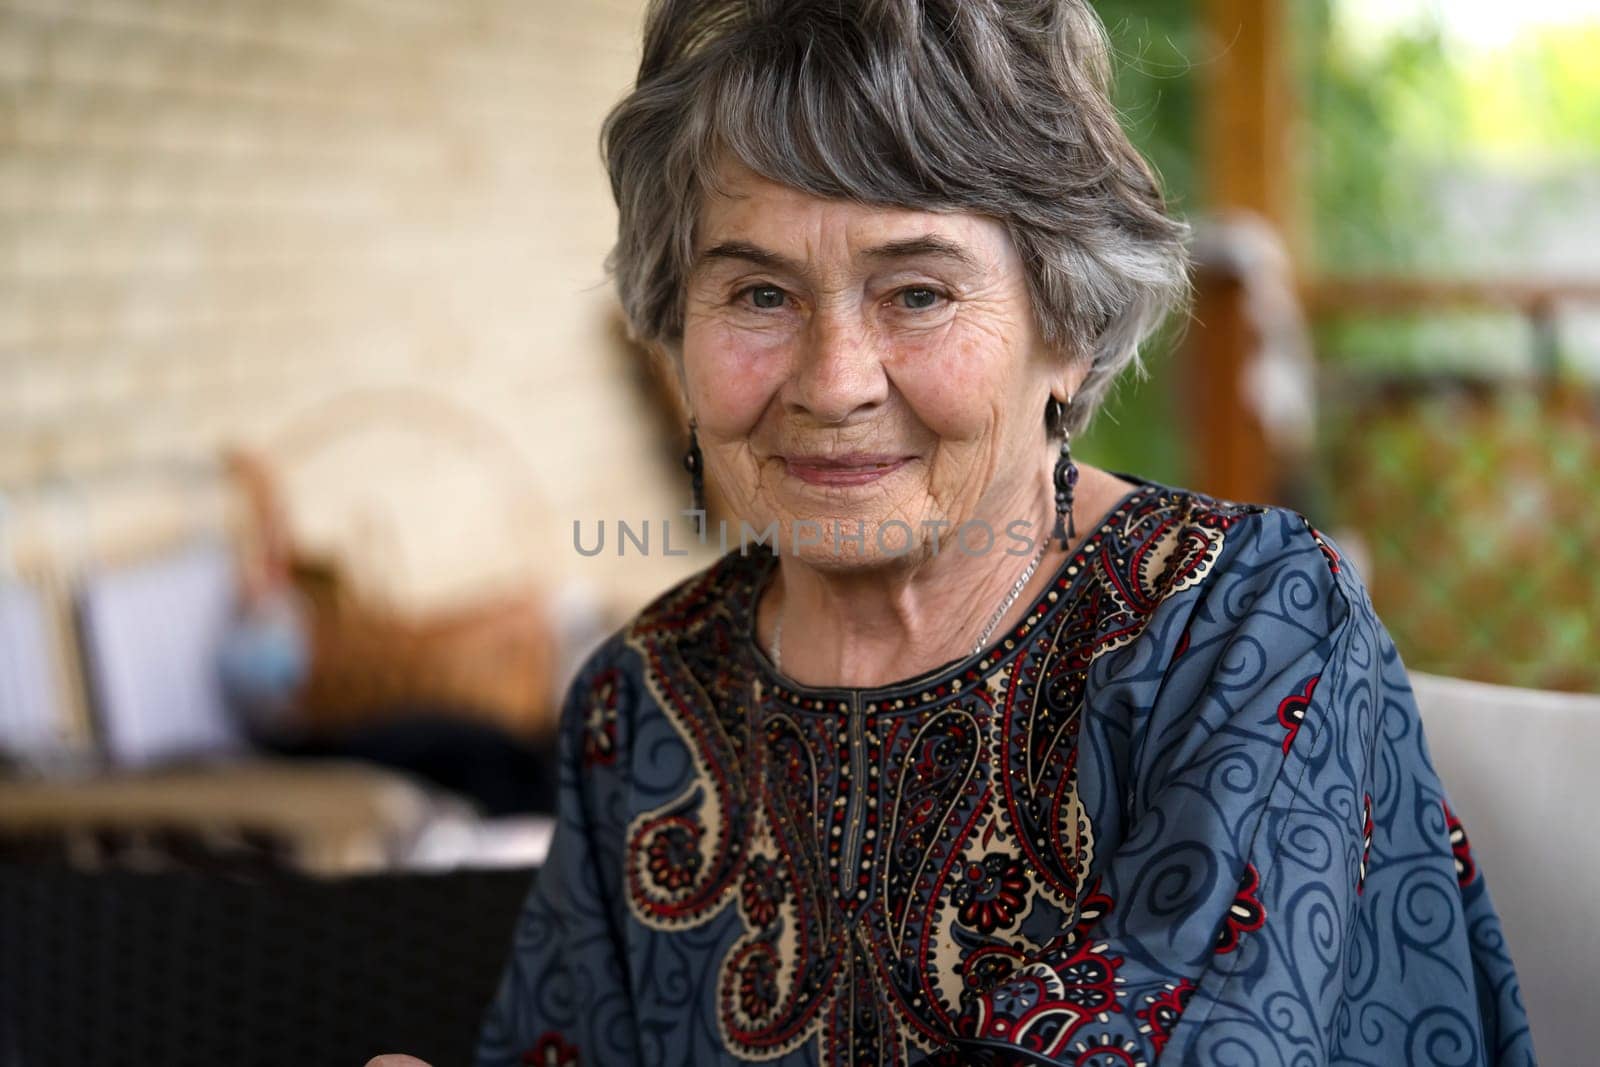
x: 764, y: 297
x: 918, y: 298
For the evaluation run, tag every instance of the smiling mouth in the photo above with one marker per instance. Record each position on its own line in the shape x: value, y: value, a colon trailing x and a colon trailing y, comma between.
x: 843, y: 470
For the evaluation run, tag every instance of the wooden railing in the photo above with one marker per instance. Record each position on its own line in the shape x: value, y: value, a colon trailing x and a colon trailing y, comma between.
x: 1399, y: 294
x: 1475, y: 496
x: 1230, y: 453
x: 1540, y: 302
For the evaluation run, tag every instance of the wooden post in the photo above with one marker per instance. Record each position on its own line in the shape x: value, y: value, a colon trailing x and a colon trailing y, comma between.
x: 1246, y: 157
x: 1245, y: 146
x: 1230, y: 454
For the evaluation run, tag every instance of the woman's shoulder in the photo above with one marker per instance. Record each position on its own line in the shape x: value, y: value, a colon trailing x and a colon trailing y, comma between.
x: 713, y: 603
x: 1264, y: 626
x: 1204, y: 584
x: 1194, y: 540
x: 693, y: 626
x: 724, y: 589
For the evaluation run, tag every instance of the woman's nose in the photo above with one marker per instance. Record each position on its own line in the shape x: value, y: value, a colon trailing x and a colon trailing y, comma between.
x: 839, y: 370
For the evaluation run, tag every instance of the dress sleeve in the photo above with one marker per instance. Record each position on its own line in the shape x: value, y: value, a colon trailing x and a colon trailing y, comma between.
x: 563, y: 999
x: 1290, y: 886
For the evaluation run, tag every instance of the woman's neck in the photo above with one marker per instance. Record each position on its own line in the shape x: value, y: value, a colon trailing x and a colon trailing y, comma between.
x: 878, y: 625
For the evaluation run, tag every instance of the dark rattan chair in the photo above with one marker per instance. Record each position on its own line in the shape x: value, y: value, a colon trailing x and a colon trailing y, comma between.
x: 173, y: 970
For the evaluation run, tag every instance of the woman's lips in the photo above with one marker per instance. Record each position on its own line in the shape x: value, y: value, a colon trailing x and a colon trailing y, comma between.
x: 844, y: 470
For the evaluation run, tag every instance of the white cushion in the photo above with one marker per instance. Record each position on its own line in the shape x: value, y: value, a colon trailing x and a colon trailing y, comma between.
x: 31, y: 715
x: 1519, y: 767
x: 151, y: 634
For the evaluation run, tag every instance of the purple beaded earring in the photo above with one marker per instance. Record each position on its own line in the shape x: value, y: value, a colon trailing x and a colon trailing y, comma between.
x: 1066, y: 475
x: 695, y: 464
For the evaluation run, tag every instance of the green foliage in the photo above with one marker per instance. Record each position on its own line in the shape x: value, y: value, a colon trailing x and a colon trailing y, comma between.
x: 1157, y: 94
x: 1391, y: 118
x: 1378, y: 120
x: 1153, y: 43
x: 1538, y: 100
x: 1386, y: 124
x: 1477, y: 513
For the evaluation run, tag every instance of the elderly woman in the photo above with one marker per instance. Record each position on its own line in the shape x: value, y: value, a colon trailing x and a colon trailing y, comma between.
x: 987, y: 756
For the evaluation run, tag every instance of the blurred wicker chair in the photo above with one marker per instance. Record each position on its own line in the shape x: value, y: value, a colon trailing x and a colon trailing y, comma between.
x: 122, y: 750
x: 387, y: 632
x: 183, y: 970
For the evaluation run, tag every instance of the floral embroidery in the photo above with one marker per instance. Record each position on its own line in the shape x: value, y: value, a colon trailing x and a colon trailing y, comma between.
x: 1162, y: 1010
x: 764, y: 888
x: 600, y: 725
x: 674, y: 855
x: 991, y: 892
x: 987, y: 967
x: 758, y: 984
x: 849, y: 907
x: 1107, y: 1050
x: 1044, y: 1005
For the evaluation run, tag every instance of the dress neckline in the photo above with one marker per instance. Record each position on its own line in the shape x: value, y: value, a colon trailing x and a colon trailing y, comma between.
x: 1061, y: 589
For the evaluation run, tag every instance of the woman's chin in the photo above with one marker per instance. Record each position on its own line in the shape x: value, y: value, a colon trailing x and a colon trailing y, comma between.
x: 842, y: 540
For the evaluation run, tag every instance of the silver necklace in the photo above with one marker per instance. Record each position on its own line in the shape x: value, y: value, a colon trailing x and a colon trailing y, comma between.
x: 983, y: 638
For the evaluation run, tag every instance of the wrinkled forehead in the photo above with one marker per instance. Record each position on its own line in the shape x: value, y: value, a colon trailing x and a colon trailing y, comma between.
x: 745, y: 217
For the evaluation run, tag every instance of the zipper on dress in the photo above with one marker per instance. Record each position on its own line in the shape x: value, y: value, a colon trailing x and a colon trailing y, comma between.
x: 858, y: 801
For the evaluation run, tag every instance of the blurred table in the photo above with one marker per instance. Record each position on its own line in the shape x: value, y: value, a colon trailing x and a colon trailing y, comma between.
x: 321, y: 817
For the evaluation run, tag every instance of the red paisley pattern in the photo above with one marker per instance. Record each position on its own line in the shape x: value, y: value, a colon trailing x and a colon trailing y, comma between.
x: 1245, y: 914
x: 888, y: 851
x: 551, y: 1050
x: 1460, y: 848
x: 1043, y: 1007
x: 1366, y: 844
x: 1329, y: 553
x: 764, y: 889
x: 1162, y: 1011
x: 1067, y: 848
x: 1292, y: 710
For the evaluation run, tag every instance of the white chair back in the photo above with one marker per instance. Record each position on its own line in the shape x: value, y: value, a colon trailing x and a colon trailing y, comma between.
x: 1520, y: 767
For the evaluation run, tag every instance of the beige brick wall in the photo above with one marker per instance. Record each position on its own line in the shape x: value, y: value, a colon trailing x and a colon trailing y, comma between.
x: 364, y: 234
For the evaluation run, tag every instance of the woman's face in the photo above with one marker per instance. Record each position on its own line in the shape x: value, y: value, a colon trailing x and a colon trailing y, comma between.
x: 867, y: 369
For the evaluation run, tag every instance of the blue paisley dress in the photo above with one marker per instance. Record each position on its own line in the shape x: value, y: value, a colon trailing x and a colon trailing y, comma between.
x: 1182, y: 813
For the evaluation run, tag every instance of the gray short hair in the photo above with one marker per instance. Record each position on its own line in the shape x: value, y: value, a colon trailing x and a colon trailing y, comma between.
x: 996, y: 107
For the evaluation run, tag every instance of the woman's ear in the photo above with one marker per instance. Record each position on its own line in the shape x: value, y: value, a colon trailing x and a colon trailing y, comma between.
x: 657, y: 368
x: 1068, y: 369
x: 669, y: 356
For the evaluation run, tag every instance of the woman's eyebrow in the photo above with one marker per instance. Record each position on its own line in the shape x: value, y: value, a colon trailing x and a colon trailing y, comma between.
x: 926, y: 245
x: 906, y: 248
x: 743, y: 250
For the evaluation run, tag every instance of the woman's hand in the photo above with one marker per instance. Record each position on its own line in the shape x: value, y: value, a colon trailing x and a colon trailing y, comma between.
x: 395, y: 1060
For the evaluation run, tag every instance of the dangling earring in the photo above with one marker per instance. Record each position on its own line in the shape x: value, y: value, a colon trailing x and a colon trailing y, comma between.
x: 1066, y: 476
x: 695, y: 465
